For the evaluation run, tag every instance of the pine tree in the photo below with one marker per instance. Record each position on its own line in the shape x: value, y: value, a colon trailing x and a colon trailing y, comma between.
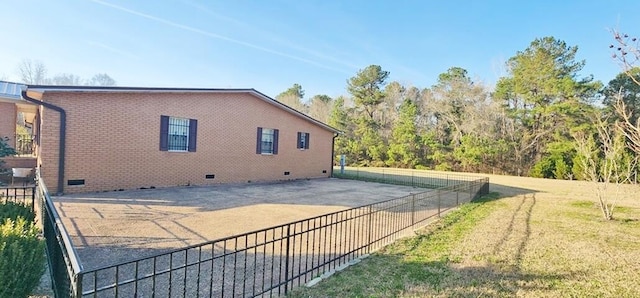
x: 403, y: 147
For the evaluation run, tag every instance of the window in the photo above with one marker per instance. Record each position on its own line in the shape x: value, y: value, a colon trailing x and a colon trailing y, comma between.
x: 178, y: 134
x: 303, y: 140
x: 267, y: 141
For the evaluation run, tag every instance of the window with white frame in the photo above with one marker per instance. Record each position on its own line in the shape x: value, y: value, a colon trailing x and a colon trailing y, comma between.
x: 303, y: 140
x: 267, y: 141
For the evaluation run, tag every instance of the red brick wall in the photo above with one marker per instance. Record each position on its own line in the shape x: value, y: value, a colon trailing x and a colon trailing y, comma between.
x: 19, y: 162
x: 113, y: 141
x: 8, y: 116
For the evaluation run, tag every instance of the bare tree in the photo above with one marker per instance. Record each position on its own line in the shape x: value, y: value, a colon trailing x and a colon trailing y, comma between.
x: 630, y: 130
x: 293, y: 102
x: 626, y: 50
x: 604, y: 162
x: 458, y: 105
x: 32, y: 72
x: 66, y: 79
x: 320, y: 107
x: 35, y: 72
x: 292, y: 97
x: 101, y: 79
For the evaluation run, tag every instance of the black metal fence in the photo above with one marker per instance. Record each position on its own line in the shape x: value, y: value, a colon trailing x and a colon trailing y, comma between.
x: 271, y: 261
x: 267, y: 262
x: 24, y: 195
x: 409, y: 177
x: 64, y: 265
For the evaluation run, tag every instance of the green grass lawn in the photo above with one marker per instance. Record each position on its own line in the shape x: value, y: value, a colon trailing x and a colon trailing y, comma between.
x: 537, y: 244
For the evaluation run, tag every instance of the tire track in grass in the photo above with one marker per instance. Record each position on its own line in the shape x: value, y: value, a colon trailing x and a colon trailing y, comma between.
x: 422, y: 260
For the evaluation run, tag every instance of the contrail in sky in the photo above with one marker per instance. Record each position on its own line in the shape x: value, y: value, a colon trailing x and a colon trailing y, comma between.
x: 286, y: 42
x: 112, y: 49
x: 214, y: 35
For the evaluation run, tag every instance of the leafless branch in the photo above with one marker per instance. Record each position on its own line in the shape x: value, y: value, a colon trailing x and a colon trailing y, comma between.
x: 630, y: 130
x: 626, y: 50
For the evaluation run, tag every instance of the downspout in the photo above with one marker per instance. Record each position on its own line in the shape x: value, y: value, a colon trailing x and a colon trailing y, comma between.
x: 63, y: 134
x: 333, y: 149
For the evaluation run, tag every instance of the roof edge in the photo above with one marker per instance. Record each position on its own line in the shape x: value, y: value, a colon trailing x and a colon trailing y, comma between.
x: 294, y: 111
x: 254, y: 92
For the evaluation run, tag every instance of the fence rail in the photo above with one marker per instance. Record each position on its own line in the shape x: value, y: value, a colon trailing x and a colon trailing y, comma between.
x: 23, y: 195
x: 63, y: 261
x: 271, y: 261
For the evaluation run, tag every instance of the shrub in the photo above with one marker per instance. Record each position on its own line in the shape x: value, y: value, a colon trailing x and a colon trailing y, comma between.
x: 5, y: 150
x: 22, y: 258
x: 444, y: 166
x: 12, y: 211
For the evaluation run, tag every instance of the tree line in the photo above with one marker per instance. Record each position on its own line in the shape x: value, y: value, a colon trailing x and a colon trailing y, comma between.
x: 531, y: 123
x: 35, y: 72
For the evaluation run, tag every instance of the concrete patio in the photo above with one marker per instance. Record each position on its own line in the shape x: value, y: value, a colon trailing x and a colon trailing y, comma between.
x: 112, y: 227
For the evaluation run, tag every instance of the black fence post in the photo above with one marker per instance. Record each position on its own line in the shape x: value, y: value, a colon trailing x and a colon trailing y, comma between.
x: 286, y: 261
x: 33, y: 199
x: 78, y: 285
x: 413, y: 209
x: 486, y: 184
x: 369, y: 230
x: 438, y: 202
x: 457, y: 196
x: 470, y: 191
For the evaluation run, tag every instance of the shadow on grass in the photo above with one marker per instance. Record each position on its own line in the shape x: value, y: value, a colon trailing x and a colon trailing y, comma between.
x: 476, y: 281
x: 527, y: 202
x: 509, y: 191
x: 393, y: 275
x: 413, y: 269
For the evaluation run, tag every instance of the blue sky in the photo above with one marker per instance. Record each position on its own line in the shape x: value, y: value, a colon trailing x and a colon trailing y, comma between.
x: 270, y: 45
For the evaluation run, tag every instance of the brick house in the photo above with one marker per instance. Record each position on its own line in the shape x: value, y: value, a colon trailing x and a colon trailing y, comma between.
x: 17, y: 113
x: 110, y: 138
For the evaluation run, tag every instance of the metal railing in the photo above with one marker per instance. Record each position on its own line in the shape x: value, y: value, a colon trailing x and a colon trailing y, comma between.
x: 62, y: 258
x: 409, y: 177
x: 24, y: 195
x: 266, y: 262
x: 271, y: 261
x: 25, y: 144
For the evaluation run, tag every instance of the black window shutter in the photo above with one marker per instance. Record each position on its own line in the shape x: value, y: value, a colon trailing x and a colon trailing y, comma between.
x: 164, y: 133
x: 275, y: 141
x: 306, y: 140
x: 193, y: 134
x: 298, y: 142
x: 259, y: 141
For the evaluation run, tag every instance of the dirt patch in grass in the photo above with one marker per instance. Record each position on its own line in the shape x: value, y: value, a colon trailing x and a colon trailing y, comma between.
x: 544, y: 238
